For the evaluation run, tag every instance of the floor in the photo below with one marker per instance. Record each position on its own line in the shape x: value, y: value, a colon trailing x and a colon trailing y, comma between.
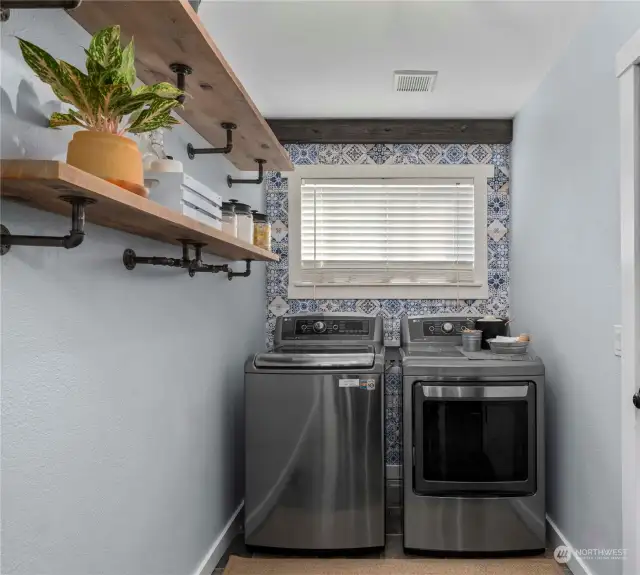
x: 393, y: 550
x: 393, y: 546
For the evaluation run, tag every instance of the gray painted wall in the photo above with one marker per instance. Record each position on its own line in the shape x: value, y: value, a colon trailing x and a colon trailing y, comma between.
x: 122, y: 391
x: 566, y: 274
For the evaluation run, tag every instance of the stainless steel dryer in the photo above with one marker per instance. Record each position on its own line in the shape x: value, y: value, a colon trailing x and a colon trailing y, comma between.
x: 474, y: 478
x: 314, y: 435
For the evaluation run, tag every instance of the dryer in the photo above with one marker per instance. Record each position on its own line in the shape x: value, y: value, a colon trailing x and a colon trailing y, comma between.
x: 474, y: 477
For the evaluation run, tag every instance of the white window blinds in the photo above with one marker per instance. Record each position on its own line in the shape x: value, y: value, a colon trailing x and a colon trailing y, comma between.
x: 393, y: 231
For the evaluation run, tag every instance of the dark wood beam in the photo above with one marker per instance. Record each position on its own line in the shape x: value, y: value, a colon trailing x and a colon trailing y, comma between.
x: 378, y: 131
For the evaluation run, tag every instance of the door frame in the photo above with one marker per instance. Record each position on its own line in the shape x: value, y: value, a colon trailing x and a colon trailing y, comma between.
x: 628, y: 73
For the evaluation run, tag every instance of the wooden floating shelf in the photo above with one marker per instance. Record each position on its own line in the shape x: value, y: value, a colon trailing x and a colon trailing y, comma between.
x: 40, y: 183
x: 169, y: 31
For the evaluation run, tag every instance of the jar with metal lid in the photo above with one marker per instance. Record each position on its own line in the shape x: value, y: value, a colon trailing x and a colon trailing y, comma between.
x: 245, y: 221
x: 229, y: 219
x: 261, y: 230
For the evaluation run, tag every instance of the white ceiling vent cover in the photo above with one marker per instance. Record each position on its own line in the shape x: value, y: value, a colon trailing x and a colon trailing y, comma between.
x: 414, y: 80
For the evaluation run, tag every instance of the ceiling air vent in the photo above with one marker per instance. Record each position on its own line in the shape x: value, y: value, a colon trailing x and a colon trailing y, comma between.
x: 414, y: 81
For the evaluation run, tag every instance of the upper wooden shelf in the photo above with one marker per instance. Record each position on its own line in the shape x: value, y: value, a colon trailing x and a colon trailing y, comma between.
x: 169, y: 31
x: 40, y: 183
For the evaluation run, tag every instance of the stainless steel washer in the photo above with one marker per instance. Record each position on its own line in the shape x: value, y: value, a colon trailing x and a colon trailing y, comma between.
x: 314, y: 435
x: 474, y: 477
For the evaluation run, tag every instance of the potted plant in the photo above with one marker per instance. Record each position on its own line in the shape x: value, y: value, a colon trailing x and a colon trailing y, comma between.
x: 106, y: 105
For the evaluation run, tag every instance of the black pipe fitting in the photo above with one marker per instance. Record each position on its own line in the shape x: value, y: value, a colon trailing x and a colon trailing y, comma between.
x: 72, y: 240
x: 229, y: 127
x: 245, y: 274
x: 258, y: 180
x: 182, y: 71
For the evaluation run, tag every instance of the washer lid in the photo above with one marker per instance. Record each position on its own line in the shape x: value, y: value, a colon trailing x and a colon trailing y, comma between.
x: 310, y: 357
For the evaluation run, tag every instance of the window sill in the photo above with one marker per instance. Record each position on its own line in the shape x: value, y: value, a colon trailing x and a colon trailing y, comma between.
x: 477, y: 291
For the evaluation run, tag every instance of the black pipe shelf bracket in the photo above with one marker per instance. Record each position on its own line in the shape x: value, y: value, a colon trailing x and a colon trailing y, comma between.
x: 181, y: 71
x: 8, y: 5
x: 72, y: 240
x: 229, y: 127
x: 258, y: 180
x: 194, y: 266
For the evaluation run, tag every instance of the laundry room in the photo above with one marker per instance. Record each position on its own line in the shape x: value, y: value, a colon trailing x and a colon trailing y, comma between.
x: 327, y: 287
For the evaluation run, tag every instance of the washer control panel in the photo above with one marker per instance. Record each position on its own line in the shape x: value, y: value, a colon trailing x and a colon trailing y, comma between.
x: 327, y: 326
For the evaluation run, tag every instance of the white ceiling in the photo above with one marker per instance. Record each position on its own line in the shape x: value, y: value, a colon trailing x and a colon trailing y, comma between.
x: 336, y: 59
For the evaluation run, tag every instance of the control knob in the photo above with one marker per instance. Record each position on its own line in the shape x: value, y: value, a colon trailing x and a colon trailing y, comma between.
x: 447, y: 327
x: 319, y: 327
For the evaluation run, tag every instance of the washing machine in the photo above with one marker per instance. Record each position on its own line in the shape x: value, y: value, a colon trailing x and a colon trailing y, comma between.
x: 315, y: 435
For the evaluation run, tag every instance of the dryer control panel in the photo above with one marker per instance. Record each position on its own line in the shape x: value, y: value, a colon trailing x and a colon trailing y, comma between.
x: 434, y: 328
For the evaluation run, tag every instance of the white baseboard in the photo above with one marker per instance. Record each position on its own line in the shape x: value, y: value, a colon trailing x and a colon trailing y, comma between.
x: 556, y: 538
x: 221, y: 544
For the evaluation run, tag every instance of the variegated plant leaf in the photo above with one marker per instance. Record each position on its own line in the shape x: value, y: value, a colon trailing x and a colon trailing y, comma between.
x: 105, y: 48
x: 127, y: 71
x: 41, y: 62
x: 155, y: 116
x: 83, y: 93
x: 57, y: 120
x: 162, y: 90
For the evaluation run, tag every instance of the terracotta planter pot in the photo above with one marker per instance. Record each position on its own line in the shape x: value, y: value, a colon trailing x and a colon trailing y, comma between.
x: 113, y: 158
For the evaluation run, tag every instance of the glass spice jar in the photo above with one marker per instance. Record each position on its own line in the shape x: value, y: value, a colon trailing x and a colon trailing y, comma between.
x: 245, y: 221
x: 261, y: 230
x: 229, y: 219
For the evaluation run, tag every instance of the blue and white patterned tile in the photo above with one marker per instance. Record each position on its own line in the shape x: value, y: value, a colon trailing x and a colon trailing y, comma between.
x: 308, y: 305
x: 498, y: 307
x: 498, y: 253
x: 278, y: 306
x: 496, y: 230
x: 274, y: 182
x: 281, y: 247
x: 330, y: 154
x: 479, y: 153
x: 303, y: 154
x: 279, y: 231
x: 430, y: 153
x: 392, y: 308
x: 380, y: 153
x: 498, y: 280
x: 405, y: 154
x: 497, y: 206
x: 275, y: 284
x: 392, y: 330
x: 368, y: 306
x: 393, y: 384
x: 347, y: 305
x: 271, y: 328
x: 354, y: 154
x: 413, y: 306
x: 500, y: 155
x: 453, y: 154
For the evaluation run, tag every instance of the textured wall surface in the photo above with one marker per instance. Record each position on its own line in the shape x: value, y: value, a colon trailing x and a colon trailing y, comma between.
x: 498, y: 224
x: 566, y: 274
x: 122, y: 392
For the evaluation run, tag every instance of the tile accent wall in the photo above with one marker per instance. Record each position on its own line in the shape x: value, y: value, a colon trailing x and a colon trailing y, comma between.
x: 498, y: 209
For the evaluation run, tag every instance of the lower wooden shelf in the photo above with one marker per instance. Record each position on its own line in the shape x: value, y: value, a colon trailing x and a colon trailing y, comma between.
x: 40, y: 183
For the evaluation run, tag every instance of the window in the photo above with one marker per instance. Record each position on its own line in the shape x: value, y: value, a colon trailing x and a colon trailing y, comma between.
x: 388, y: 231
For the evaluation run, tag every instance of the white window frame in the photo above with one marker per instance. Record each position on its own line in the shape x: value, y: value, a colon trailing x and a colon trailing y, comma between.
x: 480, y: 173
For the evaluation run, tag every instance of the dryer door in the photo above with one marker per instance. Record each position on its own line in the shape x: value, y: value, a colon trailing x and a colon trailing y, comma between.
x: 475, y: 439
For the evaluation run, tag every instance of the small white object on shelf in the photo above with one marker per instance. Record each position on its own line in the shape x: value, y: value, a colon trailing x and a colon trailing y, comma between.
x: 182, y: 193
